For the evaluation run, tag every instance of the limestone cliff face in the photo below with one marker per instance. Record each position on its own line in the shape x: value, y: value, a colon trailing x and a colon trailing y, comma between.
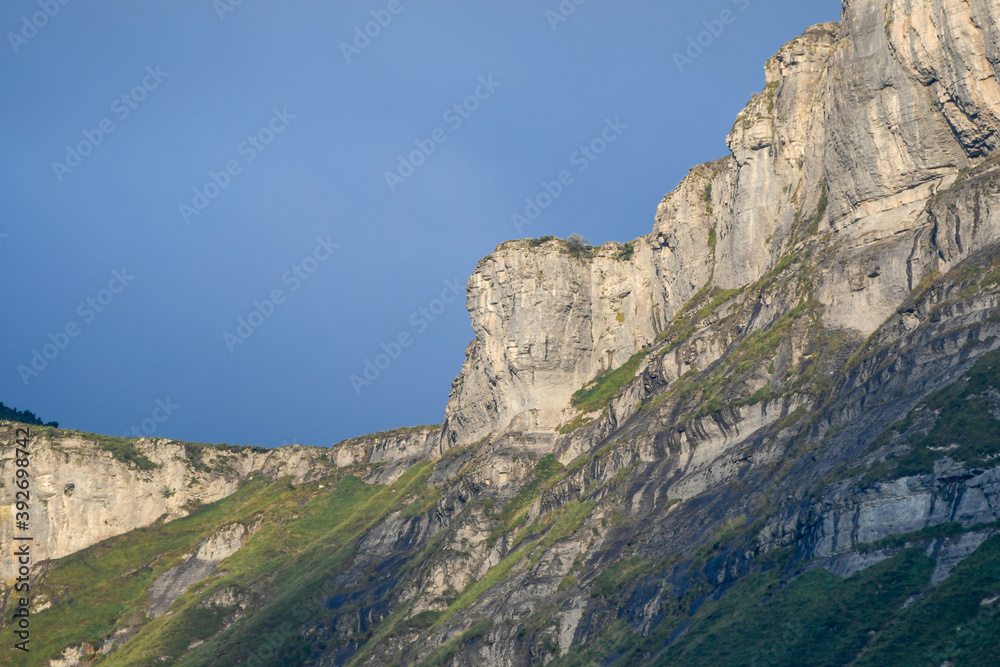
x: 386, y: 456
x: 81, y: 493
x: 547, y: 322
x: 860, y: 129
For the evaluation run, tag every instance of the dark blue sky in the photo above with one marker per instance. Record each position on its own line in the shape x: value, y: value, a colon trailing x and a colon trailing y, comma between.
x: 129, y: 281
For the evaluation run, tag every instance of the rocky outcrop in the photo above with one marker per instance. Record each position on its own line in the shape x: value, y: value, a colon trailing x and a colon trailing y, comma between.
x: 386, y: 456
x: 81, y: 494
x: 547, y: 321
x: 85, y: 488
x: 197, y: 566
x: 860, y: 129
x: 859, y: 516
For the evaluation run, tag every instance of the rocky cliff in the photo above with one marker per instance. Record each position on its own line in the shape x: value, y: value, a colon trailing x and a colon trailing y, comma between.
x: 859, y: 125
x: 766, y: 433
x: 87, y: 488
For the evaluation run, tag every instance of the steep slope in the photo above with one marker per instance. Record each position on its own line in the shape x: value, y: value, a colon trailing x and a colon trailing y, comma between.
x: 86, y: 488
x: 767, y: 433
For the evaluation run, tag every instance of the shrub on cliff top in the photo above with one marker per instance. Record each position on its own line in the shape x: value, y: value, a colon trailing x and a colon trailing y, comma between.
x: 25, y: 417
x: 625, y: 251
x: 577, y: 246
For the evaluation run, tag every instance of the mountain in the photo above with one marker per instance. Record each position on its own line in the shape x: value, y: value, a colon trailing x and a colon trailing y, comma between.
x: 767, y: 433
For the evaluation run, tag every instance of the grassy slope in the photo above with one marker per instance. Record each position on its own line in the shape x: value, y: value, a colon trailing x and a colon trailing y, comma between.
x: 819, y: 619
x: 307, y: 534
x: 290, y: 559
x: 951, y: 623
x: 90, y: 590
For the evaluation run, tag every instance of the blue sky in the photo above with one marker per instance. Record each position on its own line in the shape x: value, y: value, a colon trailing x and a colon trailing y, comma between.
x: 172, y: 168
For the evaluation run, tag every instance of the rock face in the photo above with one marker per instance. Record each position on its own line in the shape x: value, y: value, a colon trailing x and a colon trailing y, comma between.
x: 173, y: 583
x: 83, y: 494
x: 386, y: 456
x: 861, y: 123
x: 546, y: 322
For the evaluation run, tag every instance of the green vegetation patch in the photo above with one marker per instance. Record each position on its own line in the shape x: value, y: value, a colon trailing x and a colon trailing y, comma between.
x: 307, y: 536
x: 761, y: 345
x: 824, y: 203
x: 717, y: 298
x: 608, y: 385
x: 817, y: 620
x: 293, y: 558
x: 443, y: 654
x: 578, y: 247
x: 965, y: 429
x: 612, y: 580
x: 679, y: 331
x: 625, y: 251
x: 560, y: 524
x: 194, y: 455
x: 726, y: 534
x: 992, y: 279
x: 785, y: 262
x: 713, y: 393
x: 578, y: 422
x: 123, y: 449
x: 955, y: 623
x: 92, y: 590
